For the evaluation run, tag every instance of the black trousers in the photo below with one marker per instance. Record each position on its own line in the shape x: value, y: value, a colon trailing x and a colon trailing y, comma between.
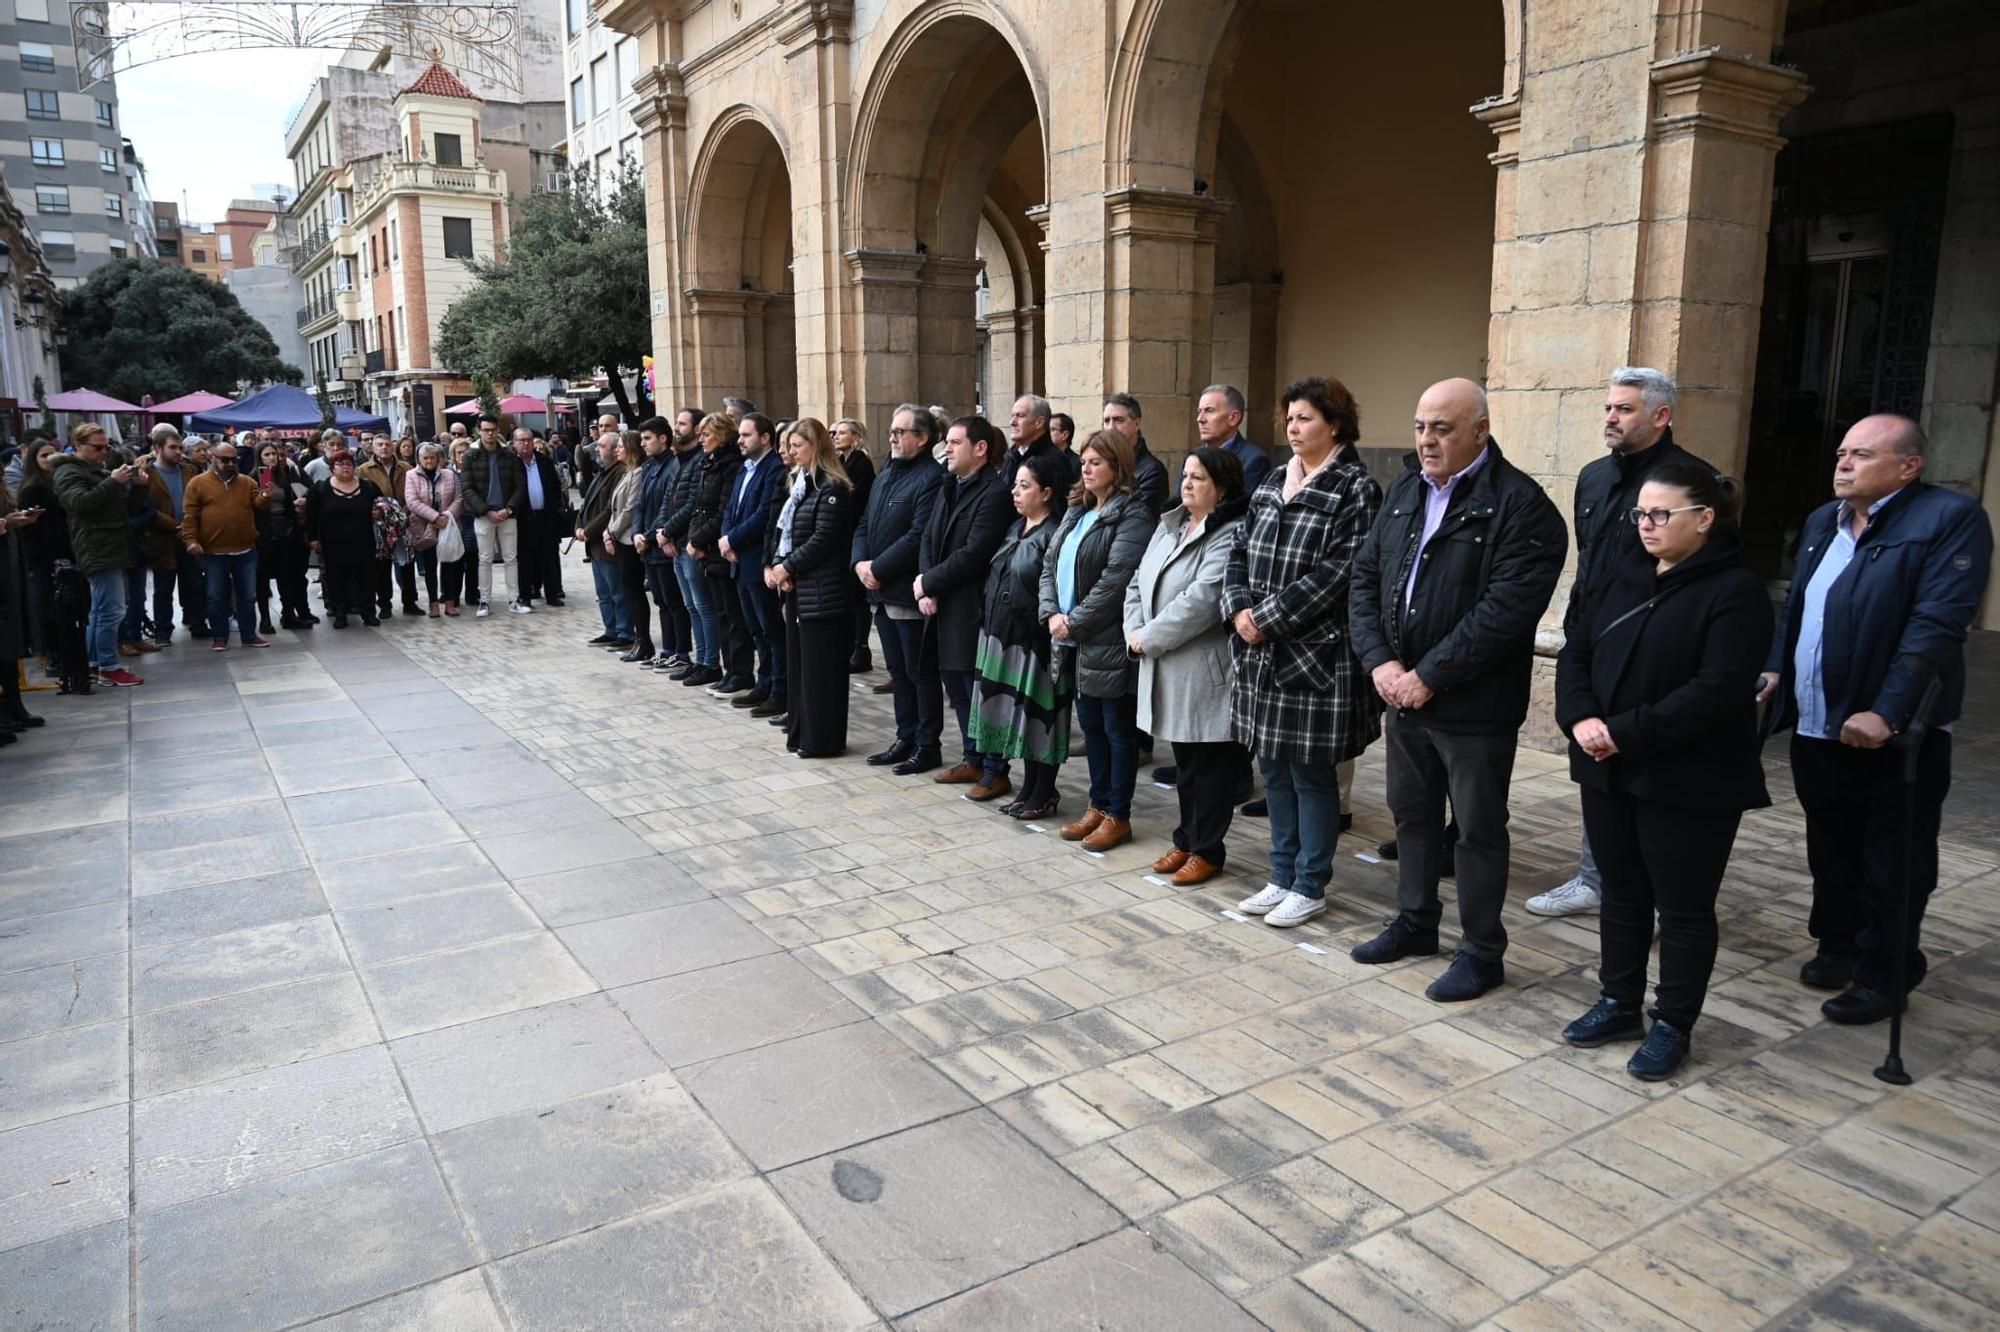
x: 909, y: 651
x: 632, y: 575
x: 405, y: 578
x: 347, y: 583
x: 433, y: 570
x: 1853, y: 799
x: 676, y: 634
x: 1475, y: 771
x: 187, y: 582
x: 816, y: 665
x: 862, y: 617
x: 283, y: 563
x: 538, y: 557
x: 1210, y: 776
x: 738, y: 656
x: 1654, y: 857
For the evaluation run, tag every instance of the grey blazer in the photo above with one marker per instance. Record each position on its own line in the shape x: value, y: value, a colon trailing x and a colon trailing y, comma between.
x: 1174, y: 608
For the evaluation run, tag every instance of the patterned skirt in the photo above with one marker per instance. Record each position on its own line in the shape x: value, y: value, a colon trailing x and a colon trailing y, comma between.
x: 1020, y: 708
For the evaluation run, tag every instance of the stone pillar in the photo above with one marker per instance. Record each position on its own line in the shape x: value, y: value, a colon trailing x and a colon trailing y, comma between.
x: 884, y: 290
x: 719, y: 356
x: 1159, y: 309
x: 1003, y: 359
x: 756, y: 354
x: 819, y: 70
x: 1075, y: 276
x: 947, y: 330
x: 661, y: 115
x: 1244, y: 351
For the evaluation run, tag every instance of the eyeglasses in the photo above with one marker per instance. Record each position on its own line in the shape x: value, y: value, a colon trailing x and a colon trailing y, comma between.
x: 1660, y: 517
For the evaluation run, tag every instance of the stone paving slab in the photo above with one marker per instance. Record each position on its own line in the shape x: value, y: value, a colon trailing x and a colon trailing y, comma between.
x: 481, y: 982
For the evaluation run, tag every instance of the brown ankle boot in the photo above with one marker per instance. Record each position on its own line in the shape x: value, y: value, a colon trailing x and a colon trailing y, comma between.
x: 1086, y: 824
x: 1112, y: 832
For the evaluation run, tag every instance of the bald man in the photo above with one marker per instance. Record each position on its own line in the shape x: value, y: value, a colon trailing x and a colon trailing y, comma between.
x: 1447, y: 591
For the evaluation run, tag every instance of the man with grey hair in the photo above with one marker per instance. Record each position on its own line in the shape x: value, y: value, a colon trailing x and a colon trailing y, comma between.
x: 1123, y: 415
x: 1028, y: 436
x: 1218, y: 421
x: 1639, y: 430
x: 317, y: 468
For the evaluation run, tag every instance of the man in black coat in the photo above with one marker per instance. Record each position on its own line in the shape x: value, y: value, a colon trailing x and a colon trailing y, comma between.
x: 884, y: 556
x: 1447, y: 590
x: 545, y: 520
x: 861, y: 475
x: 967, y: 524
x: 1149, y: 474
x: 1028, y: 437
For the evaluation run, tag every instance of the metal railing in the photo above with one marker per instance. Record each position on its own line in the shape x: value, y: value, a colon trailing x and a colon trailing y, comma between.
x: 315, y: 310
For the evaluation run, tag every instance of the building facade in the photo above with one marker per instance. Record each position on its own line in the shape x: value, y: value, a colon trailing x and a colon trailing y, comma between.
x: 27, y: 321
x: 1151, y: 195
x: 600, y: 69
x: 61, y: 148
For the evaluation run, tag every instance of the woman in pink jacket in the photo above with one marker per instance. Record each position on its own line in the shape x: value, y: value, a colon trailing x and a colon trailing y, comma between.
x: 430, y: 493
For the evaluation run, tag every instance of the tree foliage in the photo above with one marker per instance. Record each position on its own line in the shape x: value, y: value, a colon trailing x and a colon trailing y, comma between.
x: 138, y: 326
x: 569, y: 298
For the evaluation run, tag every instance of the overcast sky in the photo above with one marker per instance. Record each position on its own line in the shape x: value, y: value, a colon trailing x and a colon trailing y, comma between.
x: 211, y: 128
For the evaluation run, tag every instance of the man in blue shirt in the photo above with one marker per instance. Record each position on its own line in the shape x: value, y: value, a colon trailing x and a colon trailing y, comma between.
x: 1218, y: 420
x: 1890, y: 576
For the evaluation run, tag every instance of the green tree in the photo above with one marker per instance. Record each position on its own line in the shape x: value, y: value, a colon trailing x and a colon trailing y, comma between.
x: 570, y: 296
x: 138, y: 326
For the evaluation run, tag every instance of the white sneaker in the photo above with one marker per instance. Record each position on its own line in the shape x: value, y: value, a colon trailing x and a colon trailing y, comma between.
x: 1296, y: 909
x: 1267, y: 897
x: 520, y: 608
x: 483, y: 611
x: 1574, y: 898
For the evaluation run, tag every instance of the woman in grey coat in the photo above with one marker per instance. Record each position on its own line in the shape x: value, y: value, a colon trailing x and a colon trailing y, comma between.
x: 1091, y: 560
x: 1174, y: 626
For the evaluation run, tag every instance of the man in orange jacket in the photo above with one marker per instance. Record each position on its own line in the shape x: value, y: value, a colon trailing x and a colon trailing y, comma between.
x: 219, y: 525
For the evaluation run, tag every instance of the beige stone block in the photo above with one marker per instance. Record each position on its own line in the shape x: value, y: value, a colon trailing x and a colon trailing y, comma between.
x: 1699, y: 260
x: 1729, y: 180
x: 1614, y: 263
x: 1563, y: 32
x: 1550, y: 270
x: 1523, y: 421
x: 1565, y: 348
x: 1583, y: 189
x: 1585, y: 105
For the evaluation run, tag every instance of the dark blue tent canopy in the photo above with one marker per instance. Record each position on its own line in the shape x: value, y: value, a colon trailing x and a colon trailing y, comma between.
x: 281, y: 407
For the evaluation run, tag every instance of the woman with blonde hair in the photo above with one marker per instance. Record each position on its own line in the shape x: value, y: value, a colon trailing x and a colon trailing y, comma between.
x: 807, y: 567
x: 850, y: 441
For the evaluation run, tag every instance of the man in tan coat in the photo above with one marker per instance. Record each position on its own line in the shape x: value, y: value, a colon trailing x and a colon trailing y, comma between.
x: 219, y: 527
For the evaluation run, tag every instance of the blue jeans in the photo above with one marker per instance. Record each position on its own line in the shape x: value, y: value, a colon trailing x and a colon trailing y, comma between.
x: 1304, y: 803
x: 958, y: 688
x: 703, y: 618
x: 227, y: 575
x: 766, y: 616
x: 133, y: 626
x: 1111, y: 746
x: 611, y: 608
x: 107, y: 608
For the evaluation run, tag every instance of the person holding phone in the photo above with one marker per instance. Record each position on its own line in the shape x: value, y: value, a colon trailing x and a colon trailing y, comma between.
x: 98, y: 500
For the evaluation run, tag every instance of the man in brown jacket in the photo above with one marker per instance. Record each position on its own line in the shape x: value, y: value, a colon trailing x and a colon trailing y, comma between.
x: 220, y: 527
x: 388, y: 473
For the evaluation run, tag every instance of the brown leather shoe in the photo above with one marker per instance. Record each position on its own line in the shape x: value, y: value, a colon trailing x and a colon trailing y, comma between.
x: 1195, y: 871
x: 1171, y: 862
x: 1086, y: 824
x: 886, y: 687
x: 992, y: 790
x: 148, y: 645
x: 959, y: 775
x: 128, y: 649
x: 1112, y: 832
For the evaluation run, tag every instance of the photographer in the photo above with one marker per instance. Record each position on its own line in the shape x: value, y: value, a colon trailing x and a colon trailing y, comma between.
x: 98, y: 502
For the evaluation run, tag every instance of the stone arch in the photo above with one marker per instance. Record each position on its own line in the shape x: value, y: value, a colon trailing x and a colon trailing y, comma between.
x: 949, y: 136
x: 739, y: 248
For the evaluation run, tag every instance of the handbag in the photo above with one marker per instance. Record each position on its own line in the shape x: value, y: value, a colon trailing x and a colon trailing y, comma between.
x: 450, y: 544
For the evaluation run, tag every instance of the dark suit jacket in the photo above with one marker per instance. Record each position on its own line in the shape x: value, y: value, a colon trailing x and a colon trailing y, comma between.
x: 968, y: 521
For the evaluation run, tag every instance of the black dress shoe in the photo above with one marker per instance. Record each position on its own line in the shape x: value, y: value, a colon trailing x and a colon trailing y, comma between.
x: 638, y: 653
x: 701, y: 675
x: 1467, y: 977
x: 782, y: 719
x: 753, y: 699
x: 1666, y: 1049
x: 1257, y: 809
x: 554, y: 601
x: 1167, y: 776
x: 340, y: 621
x: 1399, y: 941
x: 1828, y: 971
x: 818, y: 753
x: 8, y: 738
x: 770, y: 707
x: 602, y: 640
x: 1346, y: 822
x: 860, y: 665
x: 1607, y: 1021
x: 1386, y: 850
x: 923, y: 760
x: 894, y: 754
x: 19, y: 716
x: 1859, y: 1005
x: 620, y: 644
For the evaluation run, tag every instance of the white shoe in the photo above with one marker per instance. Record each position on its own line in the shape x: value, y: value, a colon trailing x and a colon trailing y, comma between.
x: 483, y: 611
x: 1267, y: 897
x: 520, y: 608
x: 1575, y: 898
x: 1296, y: 909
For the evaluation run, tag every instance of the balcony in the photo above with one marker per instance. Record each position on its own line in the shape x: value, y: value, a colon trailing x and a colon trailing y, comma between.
x: 374, y: 363
x: 311, y: 246
x: 402, y: 174
x: 315, y: 310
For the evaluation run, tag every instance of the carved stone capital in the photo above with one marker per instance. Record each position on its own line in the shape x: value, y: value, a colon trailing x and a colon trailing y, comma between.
x: 1710, y: 92
x: 1144, y: 212
x: 662, y: 103
x: 811, y: 23
x: 1502, y: 115
x: 884, y: 267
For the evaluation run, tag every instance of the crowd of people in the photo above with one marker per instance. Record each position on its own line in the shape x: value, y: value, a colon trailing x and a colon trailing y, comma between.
x: 1268, y: 619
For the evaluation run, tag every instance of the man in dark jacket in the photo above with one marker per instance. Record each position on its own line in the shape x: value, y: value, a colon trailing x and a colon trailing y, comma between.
x: 885, y: 553
x: 174, y: 571
x: 99, y: 503
x: 671, y: 536
x: 1890, y: 576
x: 1218, y: 420
x: 544, y: 518
x: 967, y: 523
x: 657, y: 480
x: 861, y: 475
x: 1456, y: 572
x: 495, y: 490
x: 1028, y: 436
x: 1149, y: 474
x: 746, y: 521
x: 735, y: 672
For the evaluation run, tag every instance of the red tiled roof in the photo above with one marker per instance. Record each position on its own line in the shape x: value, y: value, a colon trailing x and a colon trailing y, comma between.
x: 437, y: 81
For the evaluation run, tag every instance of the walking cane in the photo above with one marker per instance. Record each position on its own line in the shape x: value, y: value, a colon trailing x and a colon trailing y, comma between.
x: 1912, y: 742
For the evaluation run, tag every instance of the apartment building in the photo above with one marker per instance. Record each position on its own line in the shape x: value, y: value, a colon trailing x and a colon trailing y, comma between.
x: 599, y: 68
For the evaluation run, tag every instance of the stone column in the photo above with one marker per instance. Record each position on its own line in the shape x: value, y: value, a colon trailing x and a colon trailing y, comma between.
x: 947, y: 330
x: 661, y: 115
x: 1244, y: 351
x: 884, y: 289
x: 1075, y: 277
x: 815, y: 37
x: 1003, y: 358
x: 719, y: 354
x: 1159, y: 308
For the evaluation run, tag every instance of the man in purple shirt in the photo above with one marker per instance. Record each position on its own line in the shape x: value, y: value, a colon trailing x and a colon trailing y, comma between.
x: 1446, y: 595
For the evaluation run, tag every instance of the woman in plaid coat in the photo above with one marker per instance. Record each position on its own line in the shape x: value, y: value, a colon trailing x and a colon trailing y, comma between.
x: 1301, y: 702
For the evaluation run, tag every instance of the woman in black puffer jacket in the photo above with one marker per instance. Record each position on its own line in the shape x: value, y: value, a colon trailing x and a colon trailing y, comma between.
x: 808, y: 567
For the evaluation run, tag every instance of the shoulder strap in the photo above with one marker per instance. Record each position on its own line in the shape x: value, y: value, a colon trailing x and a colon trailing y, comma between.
x: 1637, y: 610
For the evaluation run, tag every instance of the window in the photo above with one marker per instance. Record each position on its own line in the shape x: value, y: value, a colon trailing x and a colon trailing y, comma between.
x: 447, y: 151
x: 458, y: 238
x: 52, y: 198
x: 224, y: 246
x: 574, y: 9
x: 104, y: 114
x: 600, y: 84
x: 59, y: 244
x: 395, y: 243
x: 42, y: 105
x: 37, y: 10
x: 578, y: 110
x: 118, y: 249
x: 627, y: 54
x: 114, y: 206
x: 107, y: 160
x: 39, y: 57
x: 628, y: 149
x: 201, y: 256
x: 48, y: 152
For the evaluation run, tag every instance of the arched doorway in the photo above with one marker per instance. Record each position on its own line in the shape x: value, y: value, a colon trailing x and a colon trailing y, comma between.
x: 740, y: 269
x: 948, y: 188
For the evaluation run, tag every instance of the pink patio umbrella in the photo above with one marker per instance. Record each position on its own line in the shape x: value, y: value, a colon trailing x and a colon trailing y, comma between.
x: 513, y: 405
x: 188, y: 403
x: 88, y: 400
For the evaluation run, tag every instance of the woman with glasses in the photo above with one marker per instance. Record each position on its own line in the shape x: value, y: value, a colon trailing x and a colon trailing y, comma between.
x: 340, y: 525
x: 1658, y: 695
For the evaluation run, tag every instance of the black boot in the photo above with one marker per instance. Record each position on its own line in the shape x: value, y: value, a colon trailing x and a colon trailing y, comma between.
x: 264, y: 616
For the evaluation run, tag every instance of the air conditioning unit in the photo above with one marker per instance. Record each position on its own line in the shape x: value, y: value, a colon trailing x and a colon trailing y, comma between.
x: 555, y: 182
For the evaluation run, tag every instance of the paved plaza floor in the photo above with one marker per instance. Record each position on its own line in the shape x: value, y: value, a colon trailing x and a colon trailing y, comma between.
x: 454, y: 976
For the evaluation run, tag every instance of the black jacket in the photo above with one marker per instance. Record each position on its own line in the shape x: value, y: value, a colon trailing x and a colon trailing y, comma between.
x: 513, y: 480
x: 821, y: 528
x: 1149, y: 479
x: 1012, y: 597
x: 681, y: 498
x: 1609, y: 559
x: 968, y: 521
x: 1487, y: 576
x: 1072, y: 466
x: 718, y: 479
x: 649, y: 510
x: 1674, y: 675
x: 860, y: 469
x: 556, y: 514
x: 892, y: 526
